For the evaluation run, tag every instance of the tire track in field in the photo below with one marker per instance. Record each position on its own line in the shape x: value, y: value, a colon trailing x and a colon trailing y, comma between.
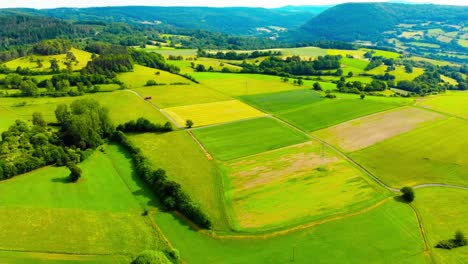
x: 427, y: 249
x: 156, y: 107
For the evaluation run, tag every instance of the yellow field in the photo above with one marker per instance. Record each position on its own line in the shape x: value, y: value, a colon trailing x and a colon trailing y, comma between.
x: 82, y: 58
x: 366, y: 131
x: 399, y: 72
x: 354, y: 53
x: 449, y: 80
x: 292, y: 185
x: 213, y: 113
x: 177, y: 95
x: 141, y: 74
x: 463, y: 43
x: 454, y: 103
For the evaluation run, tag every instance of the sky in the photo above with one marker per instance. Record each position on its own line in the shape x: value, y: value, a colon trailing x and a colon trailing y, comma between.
x: 215, y: 3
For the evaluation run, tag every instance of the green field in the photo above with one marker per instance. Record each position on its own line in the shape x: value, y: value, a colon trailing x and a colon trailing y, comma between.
x: 141, y: 74
x: 451, y: 102
x: 185, y: 163
x: 82, y: 58
x: 390, y: 230
x: 213, y: 113
x: 431, y: 154
x: 244, y: 84
x: 443, y: 211
x: 178, y: 95
x: 343, y: 53
x: 97, y: 215
x: 118, y: 103
x: 355, y: 63
x: 290, y: 186
x: 333, y: 111
x: 305, y: 51
x: 245, y: 138
x: 383, y: 53
x: 399, y: 72
x: 217, y: 65
x: 281, y: 101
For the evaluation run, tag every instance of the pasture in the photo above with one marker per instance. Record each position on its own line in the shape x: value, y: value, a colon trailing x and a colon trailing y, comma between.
x: 185, y: 162
x: 441, y: 218
x: 430, y: 154
x: 453, y: 103
x: 383, y: 53
x: 292, y: 185
x: 244, y: 84
x: 177, y: 95
x: 399, y: 72
x: 343, y: 53
x: 141, y: 74
x: 362, y: 132
x: 280, y: 101
x: 97, y: 215
x: 247, y: 137
x: 217, y: 65
x: 330, y: 112
x: 337, y: 241
x: 212, y: 113
x: 40, y: 258
x: 82, y: 58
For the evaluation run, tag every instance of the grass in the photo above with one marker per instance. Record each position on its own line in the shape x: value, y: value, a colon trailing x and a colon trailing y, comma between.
x: 293, y: 185
x: 141, y: 74
x: 463, y: 43
x: 97, y: 215
x: 399, y: 72
x: 343, y: 53
x: 213, y: 113
x: 365, y: 131
x: 443, y: 211
x: 305, y: 51
x: 333, y: 111
x: 431, y: 154
x: 280, y: 101
x: 393, y: 221
x: 12, y: 257
x: 448, y: 80
x: 423, y: 44
x: 355, y: 63
x: 118, y: 103
x: 451, y: 102
x: 245, y: 138
x: 217, y: 65
x: 384, y: 53
x: 178, y: 95
x: 82, y: 58
x: 244, y: 84
x: 185, y: 162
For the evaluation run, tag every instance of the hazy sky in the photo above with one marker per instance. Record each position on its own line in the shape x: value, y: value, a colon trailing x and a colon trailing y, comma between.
x: 218, y: 3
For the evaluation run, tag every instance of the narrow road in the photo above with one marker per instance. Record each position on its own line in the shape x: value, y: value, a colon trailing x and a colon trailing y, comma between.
x: 155, y: 106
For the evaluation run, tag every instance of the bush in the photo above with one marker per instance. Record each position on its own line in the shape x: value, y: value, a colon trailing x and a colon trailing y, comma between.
x: 151, y: 83
x: 458, y: 241
x: 151, y: 257
x: 75, y: 172
x: 408, y: 194
x: 144, y: 125
x: 189, y: 123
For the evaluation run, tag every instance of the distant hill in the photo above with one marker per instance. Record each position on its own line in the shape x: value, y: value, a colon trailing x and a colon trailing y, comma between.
x: 232, y: 20
x: 368, y: 21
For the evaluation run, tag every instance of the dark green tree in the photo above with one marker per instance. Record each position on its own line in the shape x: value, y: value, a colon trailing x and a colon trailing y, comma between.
x: 407, y: 194
x: 38, y: 119
x: 189, y: 123
x: 75, y: 172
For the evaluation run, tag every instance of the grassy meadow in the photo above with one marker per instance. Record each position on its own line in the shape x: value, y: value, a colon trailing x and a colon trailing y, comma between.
x: 248, y: 137
x: 336, y: 241
x: 292, y: 185
x: 453, y: 103
x: 330, y: 112
x: 213, y: 113
x: 96, y: 216
x: 184, y: 162
x: 82, y: 58
x: 281, y: 101
x: 430, y: 154
x: 141, y: 74
x: 166, y: 96
x: 442, y: 217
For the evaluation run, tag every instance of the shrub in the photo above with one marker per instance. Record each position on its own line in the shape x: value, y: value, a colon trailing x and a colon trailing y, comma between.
x: 75, y: 172
x: 151, y: 257
x: 458, y: 241
x: 408, y: 194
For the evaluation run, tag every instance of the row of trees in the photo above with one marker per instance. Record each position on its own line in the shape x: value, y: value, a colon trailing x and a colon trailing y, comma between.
x: 232, y: 55
x: 169, y: 192
x: 144, y: 125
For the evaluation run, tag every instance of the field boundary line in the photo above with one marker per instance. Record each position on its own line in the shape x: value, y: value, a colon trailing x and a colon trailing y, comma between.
x: 295, y: 228
x: 60, y: 253
x: 155, y: 106
x: 423, y: 233
x: 207, y: 154
x: 439, y: 112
